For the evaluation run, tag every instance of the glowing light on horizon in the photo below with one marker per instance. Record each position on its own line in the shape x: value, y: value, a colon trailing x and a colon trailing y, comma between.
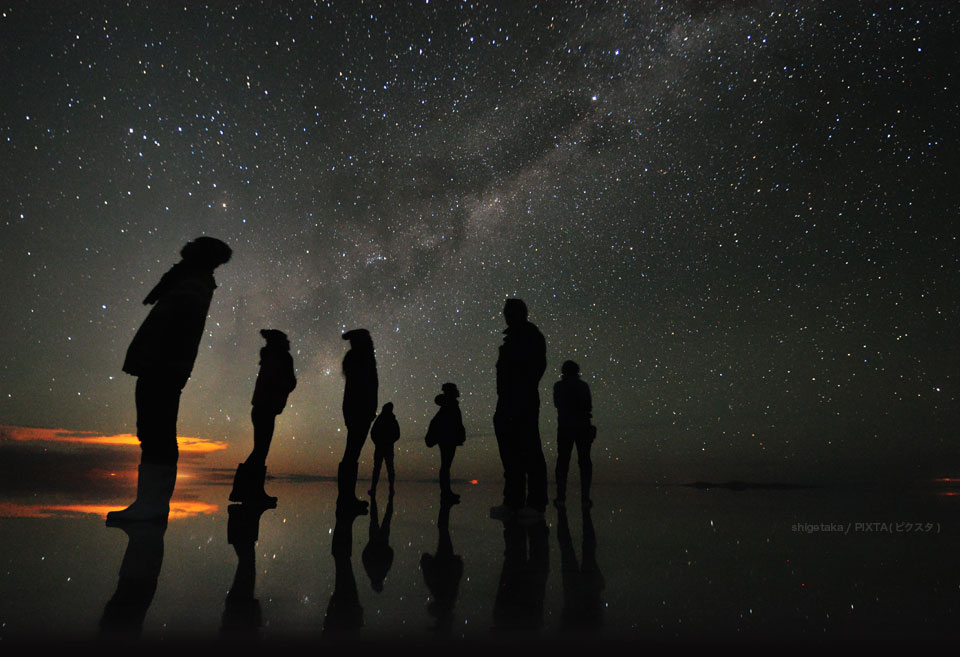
x: 178, y: 510
x: 26, y: 434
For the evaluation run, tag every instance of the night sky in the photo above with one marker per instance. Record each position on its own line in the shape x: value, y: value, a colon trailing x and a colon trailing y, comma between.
x: 740, y: 219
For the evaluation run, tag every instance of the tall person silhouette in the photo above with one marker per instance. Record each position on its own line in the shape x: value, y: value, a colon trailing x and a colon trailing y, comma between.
x: 275, y: 381
x: 520, y: 365
x: 161, y: 356
x: 571, y: 396
x: 359, y: 409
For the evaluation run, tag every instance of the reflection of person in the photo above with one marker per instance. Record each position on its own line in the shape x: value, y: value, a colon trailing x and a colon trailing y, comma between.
x: 521, y: 364
x: 124, y: 613
x: 161, y: 356
x: 442, y: 572
x: 344, y: 613
x: 446, y: 430
x: 518, y: 605
x: 377, y: 556
x: 359, y: 409
x: 384, y: 433
x: 275, y: 381
x: 583, y: 584
x: 241, y: 613
x: 571, y: 396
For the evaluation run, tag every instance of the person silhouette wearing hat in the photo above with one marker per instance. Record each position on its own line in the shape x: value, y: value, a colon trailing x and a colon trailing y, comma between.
x: 359, y: 409
x: 161, y: 356
x: 446, y: 430
x: 275, y: 381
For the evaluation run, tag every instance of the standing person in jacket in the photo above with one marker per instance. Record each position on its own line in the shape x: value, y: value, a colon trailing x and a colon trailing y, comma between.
x: 275, y: 381
x: 571, y: 397
x: 359, y: 409
x: 161, y: 356
x: 521, y: 363
x: 446, y: 430
x: 384, y: 433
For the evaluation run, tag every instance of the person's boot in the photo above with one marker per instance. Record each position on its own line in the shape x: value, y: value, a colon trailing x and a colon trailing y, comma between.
x: 240, y: 484
x: 258, y: 495
x: 347, y: 501
x: 155, y: 483
x: 560, y: 501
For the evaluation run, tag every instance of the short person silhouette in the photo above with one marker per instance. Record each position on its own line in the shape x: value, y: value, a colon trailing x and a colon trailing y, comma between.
x: 161, y: 356
x: 275, y: 381
x: 384, y: 433
x: 571, y: 396
x: 446, y: 430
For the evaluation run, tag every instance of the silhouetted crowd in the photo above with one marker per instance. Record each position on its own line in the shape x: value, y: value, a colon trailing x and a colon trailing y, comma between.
x: 162, y: 356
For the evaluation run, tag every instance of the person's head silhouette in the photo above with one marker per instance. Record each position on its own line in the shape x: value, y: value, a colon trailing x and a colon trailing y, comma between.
x: 207, y: 252
x: 514, y: 311
x: 569, y: 368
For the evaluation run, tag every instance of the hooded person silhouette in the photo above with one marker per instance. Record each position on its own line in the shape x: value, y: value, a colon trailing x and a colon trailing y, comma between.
x: 359, y: 409
x: 161, y: 356
x: 275, y: 381
x: 446, y: 430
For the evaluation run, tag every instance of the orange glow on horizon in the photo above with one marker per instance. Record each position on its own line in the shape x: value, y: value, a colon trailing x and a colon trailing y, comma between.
x: 178, y: 510
x: 948, y: 480
x: 25, y: 434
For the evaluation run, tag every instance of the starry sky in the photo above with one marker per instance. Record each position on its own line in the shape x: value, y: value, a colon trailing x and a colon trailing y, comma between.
x: 738, y: 218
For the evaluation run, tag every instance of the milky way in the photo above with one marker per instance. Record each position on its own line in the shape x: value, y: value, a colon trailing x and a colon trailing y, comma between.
x: 738, y: 218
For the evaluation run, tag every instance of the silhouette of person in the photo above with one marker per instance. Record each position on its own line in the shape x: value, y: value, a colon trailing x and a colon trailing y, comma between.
x: 161, y: 356
x: 275, y: 381
x: 520, y: 365
x: 242, y: 615
x: 442, y: 572
x: 124, y: 613
x: 344, y: 613
x: 518, y: 605
x: 446, y: 430
x: 377, y: 556
x: 384, y: 433
x: 571, y: 396
x: 583, y: 584
x: 359, y: 409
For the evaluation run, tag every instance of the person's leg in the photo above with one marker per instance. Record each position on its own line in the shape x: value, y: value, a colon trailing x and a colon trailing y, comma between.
x: 347, y: 471
x: 536, y: 466
x: 446, y: 460
x: 375, y: 476
x: 391, y: 474
x: 586, y: 467
x: 157, y: 401
x: 158, y: 404
x: 564, y: 449
x: 264, y: 423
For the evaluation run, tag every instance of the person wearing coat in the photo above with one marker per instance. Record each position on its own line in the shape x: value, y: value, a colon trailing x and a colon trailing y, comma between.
x: 384, y: 433
x: 446, y: 430
x: 571, y: 397
x: 161, y: 356
x: 275, y: 381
